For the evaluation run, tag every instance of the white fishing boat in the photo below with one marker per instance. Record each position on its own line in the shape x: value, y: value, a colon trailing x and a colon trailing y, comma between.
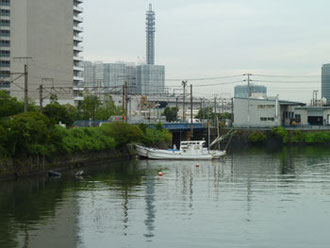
x: 141, y: 150
x: 189, y: 150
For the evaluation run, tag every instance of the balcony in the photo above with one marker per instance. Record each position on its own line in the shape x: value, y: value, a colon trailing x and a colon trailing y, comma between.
x: 78, y: 19
x: 78, y: 58
x: 78, y: 48
x: 78, y: 38
x: 78, y: 78
x: 78, y: 68
x: 78, y: 9
x: 78, y: 28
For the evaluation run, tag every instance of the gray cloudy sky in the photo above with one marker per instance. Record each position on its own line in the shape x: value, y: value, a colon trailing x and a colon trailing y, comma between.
x: 211, y: 38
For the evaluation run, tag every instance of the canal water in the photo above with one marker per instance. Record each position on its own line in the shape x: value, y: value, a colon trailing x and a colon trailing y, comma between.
x: 256, y: 198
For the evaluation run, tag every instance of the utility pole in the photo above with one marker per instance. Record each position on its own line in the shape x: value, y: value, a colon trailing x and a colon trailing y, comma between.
x: 249, y: 95
x: 191, y: 111
x: 126, y: 101
x: 123, y: 101
x: 232, y: 110
x: 25, y: 88
x: 25, y: 73
x: 248, y: 83
x: 40, y: 97
x: 184, y: 84
x: 215, y: 104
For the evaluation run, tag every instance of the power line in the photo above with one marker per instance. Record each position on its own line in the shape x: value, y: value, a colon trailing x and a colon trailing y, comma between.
x: 200, y: 79
x: 289, y: 76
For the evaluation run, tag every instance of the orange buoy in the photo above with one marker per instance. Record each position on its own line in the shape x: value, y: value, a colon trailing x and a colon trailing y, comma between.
x: 160, y: 174
x: 197, y: 165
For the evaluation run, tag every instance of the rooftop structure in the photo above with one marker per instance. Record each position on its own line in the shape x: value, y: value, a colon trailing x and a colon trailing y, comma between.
x: 256, y: 91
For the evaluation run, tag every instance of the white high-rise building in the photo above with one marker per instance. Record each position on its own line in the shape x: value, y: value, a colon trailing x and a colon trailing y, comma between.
x: 140, y: 80
x: 44, y: 35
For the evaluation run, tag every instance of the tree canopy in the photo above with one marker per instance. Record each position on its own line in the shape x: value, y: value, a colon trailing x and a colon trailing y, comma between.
x: 171, y: 114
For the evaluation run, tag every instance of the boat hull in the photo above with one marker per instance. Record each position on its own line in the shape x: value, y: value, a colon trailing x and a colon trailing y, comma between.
x: 141, y: 151
x: 167, y: 155
x: 158, y: 154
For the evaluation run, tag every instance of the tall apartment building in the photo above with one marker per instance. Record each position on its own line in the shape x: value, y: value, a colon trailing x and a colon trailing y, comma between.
x: 45, y: 36
x: 325, y: 85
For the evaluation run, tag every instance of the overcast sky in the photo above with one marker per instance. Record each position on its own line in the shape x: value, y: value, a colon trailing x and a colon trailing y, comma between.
x: 214, y: 38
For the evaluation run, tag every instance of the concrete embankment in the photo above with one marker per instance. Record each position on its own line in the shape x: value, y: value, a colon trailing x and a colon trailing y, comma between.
x: 24, y: 167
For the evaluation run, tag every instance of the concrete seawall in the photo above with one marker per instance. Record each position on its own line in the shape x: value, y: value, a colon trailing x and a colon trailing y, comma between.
x: 24, y: 167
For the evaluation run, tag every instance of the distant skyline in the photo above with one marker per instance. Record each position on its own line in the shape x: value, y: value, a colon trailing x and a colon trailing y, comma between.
x: 215, y: 38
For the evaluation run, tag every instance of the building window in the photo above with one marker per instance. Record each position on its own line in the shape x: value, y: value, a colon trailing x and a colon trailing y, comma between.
x: 4, y: 84
x: 5, y: 33
x: 5, y: 43
x: 265, y: 106
x: 267, y: 119
x: 297, y: 118
x: 4, y: 74
x: 5, y: 23
x: 4, y: 2
x: 4, y: 53
x: 4, y: 12
x: 4, y: 63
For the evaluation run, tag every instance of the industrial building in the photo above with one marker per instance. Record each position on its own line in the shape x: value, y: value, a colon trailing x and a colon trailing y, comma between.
x: 263, y: 113
x: 41, y: 38
x: 312, y: 115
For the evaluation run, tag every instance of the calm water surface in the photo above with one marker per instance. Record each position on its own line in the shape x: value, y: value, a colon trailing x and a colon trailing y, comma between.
x: 252, y: 199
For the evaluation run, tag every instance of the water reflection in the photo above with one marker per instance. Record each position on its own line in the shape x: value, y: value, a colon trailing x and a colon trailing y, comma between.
x: 246, y: 199
x: 150, y: 207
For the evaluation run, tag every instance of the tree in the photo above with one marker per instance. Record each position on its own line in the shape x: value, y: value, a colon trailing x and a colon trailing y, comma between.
x: 206, y: 113
x: 30, y: 134
x: 123, y: 133
x: 88, y: 107
x: 60, y: 113
x: 171, y: 114
x: 9, y: 105
x: 107, y: 109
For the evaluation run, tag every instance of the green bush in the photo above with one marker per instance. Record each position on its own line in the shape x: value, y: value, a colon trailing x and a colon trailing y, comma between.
x: 30, y: 134
x: 297, y: 137
x: 143, y: 127
x: 123, y: 133
x: 152, y: 137
x: 85, y: 140
x: 281, y: 134
x: 257, y: 138
x: 317, y: 137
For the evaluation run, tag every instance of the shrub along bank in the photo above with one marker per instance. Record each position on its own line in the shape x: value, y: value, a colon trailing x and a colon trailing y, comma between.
x: 282, y: 136
x: 34, y: 137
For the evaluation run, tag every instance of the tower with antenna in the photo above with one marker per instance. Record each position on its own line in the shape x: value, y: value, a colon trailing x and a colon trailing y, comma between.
x: 150, y: 29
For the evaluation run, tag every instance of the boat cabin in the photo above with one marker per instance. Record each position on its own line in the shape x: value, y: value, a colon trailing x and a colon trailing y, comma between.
x: 194, y: 145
